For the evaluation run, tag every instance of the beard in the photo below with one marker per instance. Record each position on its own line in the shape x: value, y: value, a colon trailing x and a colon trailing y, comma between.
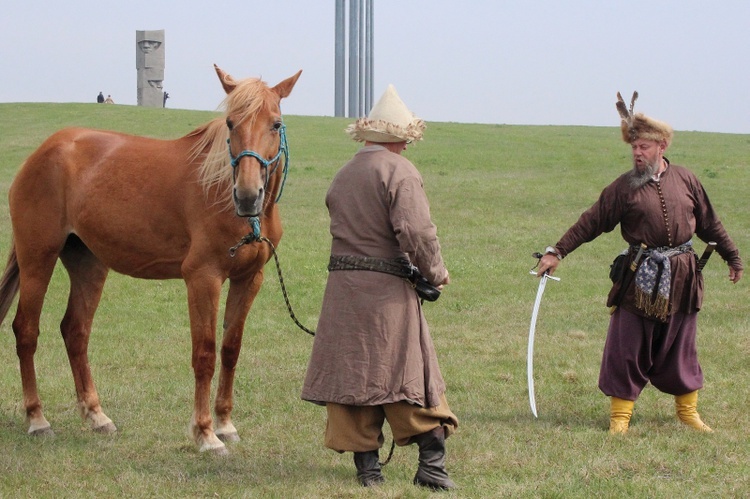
x: 639, y: 178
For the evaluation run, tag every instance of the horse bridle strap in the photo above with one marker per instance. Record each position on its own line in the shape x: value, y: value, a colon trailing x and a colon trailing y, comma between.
x: 266, y: 163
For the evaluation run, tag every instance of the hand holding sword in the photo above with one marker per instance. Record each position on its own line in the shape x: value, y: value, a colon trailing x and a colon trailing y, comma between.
x: 547, y: 262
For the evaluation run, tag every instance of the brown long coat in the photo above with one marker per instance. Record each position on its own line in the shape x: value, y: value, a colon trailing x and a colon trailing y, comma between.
x: 372, y: 344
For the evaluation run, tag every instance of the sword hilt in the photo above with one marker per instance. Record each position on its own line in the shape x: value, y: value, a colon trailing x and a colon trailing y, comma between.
x: 628, y: 278
x: 710, y: 247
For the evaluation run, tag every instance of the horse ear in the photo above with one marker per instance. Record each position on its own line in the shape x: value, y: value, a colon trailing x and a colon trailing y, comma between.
x: 226, y: 80
x: 285, y: 87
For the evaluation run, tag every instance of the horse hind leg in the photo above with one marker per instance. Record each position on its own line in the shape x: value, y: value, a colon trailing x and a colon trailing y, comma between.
x: 87, y: 276
x: 34, y: 271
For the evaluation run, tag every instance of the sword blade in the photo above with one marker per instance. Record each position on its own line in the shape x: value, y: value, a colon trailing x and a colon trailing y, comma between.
x: 530, y: 349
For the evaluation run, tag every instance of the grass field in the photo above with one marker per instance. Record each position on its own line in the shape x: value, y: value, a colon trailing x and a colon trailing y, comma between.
x: 497, y: 193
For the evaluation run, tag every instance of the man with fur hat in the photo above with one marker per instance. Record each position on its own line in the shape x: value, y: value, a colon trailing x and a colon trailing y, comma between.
x: 373, y: 358
x: 652, y: 330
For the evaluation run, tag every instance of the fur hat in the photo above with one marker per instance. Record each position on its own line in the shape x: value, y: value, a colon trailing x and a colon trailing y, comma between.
x: 389, y: 121
x: 640, y: 126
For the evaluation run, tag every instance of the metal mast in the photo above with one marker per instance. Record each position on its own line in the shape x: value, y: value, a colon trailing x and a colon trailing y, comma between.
x: 360, y: 58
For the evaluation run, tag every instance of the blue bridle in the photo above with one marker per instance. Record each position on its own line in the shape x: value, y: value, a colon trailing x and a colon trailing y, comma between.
x: 254, y: 222
x: 266, y: 163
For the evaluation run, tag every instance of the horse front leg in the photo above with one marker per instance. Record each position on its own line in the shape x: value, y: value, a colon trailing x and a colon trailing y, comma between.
x: 203, y: 304
x: 239, y: 300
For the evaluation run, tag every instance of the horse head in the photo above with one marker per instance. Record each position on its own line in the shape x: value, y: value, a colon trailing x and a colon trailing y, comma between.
x: 256, y: 138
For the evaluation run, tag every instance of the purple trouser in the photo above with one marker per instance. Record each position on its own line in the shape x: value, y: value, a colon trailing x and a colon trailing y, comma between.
x: 639, y: 350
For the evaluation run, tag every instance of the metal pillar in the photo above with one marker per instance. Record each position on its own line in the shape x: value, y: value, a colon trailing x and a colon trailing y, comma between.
x: 369, y: 55
x: 354, y: 14
x: 340, y: 65
x: 360, y: 58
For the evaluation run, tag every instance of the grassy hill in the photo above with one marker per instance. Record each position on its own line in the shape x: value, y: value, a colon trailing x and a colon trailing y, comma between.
x: 497, y: 194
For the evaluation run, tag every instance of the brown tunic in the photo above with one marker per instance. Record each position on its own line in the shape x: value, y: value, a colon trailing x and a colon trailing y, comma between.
x: 664, y: 213
x: 372, y: 345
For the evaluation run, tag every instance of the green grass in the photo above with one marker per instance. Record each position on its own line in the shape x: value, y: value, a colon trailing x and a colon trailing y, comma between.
x: 498, y: 193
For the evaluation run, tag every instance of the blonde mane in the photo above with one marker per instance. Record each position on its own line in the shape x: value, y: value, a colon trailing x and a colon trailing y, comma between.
x: 243, y: 104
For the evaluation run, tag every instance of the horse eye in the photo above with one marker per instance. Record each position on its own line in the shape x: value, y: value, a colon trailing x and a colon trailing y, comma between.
x: 277, y: 125
x: 230, y: 125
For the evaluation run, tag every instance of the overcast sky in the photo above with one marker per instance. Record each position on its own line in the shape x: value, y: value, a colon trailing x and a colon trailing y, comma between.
x: 491, y: 61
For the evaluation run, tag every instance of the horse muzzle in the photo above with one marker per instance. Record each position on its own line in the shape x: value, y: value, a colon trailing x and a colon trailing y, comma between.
x: 248, y: 204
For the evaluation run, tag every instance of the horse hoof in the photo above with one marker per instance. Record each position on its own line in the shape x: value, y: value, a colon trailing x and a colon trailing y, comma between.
x: 42, y: 432
x: 106, y: 429
x: 216, y: 448
x: 219, y: 451
x: 229, y: 437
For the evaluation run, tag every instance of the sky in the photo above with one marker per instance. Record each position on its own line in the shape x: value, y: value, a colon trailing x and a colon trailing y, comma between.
x: 546, y: 62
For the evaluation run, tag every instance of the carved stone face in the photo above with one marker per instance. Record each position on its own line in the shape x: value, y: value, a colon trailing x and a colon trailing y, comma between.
x: 148, y: 46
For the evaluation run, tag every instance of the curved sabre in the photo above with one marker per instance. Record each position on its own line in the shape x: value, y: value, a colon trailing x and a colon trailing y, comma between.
x: 532, y: 331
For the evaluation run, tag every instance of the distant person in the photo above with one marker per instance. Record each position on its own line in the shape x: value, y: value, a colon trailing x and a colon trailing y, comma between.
x: 100, y: 98
x: 373, y: 358
x: 166, y: 96
x: 652, y: 330
x: 109, y: 100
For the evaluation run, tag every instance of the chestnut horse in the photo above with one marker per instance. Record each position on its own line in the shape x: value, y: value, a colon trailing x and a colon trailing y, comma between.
x: 154, y: 209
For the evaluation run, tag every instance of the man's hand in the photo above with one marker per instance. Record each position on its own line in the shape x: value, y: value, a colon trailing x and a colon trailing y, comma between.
x: 734, y: 275
x: 445, y: 282
x: 548, y: 263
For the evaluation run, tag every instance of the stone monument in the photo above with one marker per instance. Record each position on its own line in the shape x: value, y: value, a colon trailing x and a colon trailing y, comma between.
x: 149, y: 61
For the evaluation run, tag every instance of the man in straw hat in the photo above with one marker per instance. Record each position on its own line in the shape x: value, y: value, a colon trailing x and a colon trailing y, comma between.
x: 373, y: 358
x: 654, y: 302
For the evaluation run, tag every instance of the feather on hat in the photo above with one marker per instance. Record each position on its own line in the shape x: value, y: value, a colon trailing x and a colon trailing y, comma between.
x: 389, y: 121
x: 639, y: 126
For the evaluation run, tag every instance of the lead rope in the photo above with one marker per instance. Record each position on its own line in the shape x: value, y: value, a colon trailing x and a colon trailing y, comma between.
x: 390, y: 454
x: 252, y: 237
x: 283, y: 287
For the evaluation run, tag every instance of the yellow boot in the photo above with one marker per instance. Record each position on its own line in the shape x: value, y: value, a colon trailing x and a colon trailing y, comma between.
x: 686, y: 406
x: 620, y: 411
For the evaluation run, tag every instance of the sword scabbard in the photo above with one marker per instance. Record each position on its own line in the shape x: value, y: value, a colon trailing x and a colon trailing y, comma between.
x: 628, y: 278
x: 710, y: 247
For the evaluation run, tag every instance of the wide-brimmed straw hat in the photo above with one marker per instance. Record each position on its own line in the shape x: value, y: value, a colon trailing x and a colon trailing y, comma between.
x: 639, y: 126
x: 389, y: 121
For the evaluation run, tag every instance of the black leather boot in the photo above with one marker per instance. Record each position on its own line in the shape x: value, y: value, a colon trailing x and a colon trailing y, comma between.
x: 431, y: 472
x: 368, y: 468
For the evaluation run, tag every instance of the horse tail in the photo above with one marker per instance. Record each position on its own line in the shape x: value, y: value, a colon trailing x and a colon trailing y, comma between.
x: 9, y: 283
